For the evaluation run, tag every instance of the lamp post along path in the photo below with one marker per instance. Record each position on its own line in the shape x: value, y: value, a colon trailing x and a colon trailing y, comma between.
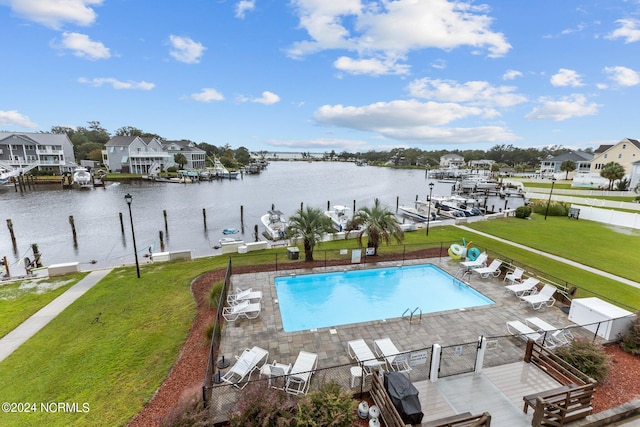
x: 553, y: 181
x: 431, y: 184
x: 128, y: 198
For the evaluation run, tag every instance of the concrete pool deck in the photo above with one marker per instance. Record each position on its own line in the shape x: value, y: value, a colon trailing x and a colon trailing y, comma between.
x: 448, y: 328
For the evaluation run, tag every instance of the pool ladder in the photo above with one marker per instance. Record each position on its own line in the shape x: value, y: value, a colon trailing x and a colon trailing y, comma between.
x: 412, y: 313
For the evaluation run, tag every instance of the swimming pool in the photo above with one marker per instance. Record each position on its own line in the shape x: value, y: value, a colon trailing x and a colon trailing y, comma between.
x: 331, y: 299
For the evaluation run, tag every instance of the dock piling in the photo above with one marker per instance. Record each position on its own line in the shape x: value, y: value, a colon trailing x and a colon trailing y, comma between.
x: 164, y: 214
x: 121, y: 223
x: 204, y: 217
x: 13, y: 236
x: 73, y: 231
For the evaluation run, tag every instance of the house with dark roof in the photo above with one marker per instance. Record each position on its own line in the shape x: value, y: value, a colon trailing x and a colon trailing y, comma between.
x: 135, y: 154
x: 582, y: 159
x: 50, y: 152
x: 625, y: 153
x: 195, y: 156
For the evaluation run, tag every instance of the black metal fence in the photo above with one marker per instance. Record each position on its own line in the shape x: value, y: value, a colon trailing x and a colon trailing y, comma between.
x: 458, y: 359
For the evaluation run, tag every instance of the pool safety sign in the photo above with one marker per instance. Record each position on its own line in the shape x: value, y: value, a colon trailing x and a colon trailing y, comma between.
x: 418, y: 358
x: 355, y: 256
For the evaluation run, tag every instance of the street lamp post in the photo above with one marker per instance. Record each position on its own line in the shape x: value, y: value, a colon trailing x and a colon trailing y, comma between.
x: 128, y: 198
x: 553, y: 181
x: 429, y: 207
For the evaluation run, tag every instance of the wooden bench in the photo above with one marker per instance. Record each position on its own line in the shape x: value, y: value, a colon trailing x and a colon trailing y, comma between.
x: 461, y: 420
x: 530, y: 400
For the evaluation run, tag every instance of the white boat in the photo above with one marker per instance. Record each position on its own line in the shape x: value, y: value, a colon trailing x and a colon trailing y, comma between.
x: 81, y: 177
x: 340, y: 217
x: 419, y: 212
x: 219, y: 171
x: 275, y: 223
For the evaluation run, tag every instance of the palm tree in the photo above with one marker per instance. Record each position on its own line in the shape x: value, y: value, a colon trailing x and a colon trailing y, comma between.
x: 379, y: 224
x: 612, y: 171
x: 309, y: 224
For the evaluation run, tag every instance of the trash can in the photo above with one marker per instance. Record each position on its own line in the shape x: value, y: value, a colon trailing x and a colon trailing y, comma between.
x: 293, y: 253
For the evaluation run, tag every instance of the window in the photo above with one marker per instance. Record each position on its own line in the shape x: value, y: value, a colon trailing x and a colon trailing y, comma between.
x: 624, y: 146
x: 619, y: 156
x: 605, y: 156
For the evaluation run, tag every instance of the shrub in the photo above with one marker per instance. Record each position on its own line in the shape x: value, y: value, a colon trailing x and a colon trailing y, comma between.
x: 555, y: 208
x: 188, y: 412
x: 261, y: 406
x: 214, y: 294
x: 523, y: 212
x: 331, y: 405
x: 631, y: 341
x: 587, y: 357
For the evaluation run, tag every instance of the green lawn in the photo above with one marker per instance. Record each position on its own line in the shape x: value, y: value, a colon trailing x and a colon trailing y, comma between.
x: 21, y: 299
x: 115, y: 345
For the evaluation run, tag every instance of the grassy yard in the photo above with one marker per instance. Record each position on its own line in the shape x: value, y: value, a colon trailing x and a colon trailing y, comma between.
x: 115, y: 345
x: 21, y: 299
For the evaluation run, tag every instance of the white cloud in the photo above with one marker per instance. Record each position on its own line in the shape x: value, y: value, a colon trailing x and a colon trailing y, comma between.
x: 267, y: 98
x: 55, y: 13
x: 566, y: 108
x: 185, y: 49
x: 413, y: 120
x: 116, y: 84
x: 628, y: 30
x: 13, y: 118
x: 473, y: 92
x: 511, y: 75
x: 375, y: 67
x: 207, y: 95
x: 244, y: 6
x: 82, y: 46
x: 566, y: 77
x: 392, y: 29
x: 623, y: 76
x: 439, y: 64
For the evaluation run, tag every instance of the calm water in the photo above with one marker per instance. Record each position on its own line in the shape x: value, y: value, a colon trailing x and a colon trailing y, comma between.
x: 42, y: 215
x: 333, y: 299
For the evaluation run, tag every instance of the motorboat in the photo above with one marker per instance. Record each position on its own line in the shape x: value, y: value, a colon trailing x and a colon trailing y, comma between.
x: 275, y: 224
x: 82, y: 177
x: 340, y: 217
x: 230, y: 231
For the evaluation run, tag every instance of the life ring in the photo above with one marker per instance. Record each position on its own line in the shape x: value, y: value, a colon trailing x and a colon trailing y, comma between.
x: 473, y: 254
x: 456, y: 250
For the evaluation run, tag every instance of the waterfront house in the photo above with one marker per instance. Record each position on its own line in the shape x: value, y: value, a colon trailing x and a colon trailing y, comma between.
x: 50, y: 152
x: 625, y: 153
x: 451, y: 160
x: 195, y: 156
x: 135, y: 154
x: 582, y: 159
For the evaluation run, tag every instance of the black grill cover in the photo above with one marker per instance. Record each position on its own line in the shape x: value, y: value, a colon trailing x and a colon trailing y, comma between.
x: 404, y: 397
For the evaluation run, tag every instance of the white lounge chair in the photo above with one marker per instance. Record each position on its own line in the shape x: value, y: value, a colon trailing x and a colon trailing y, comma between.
x: 528, y: 287
x: 242, y: 309
x: 360, y: 351
x: 244, y: 295
x: 250, y: 360
x: 544, y: 298
x: 492, y: 270
x: 481, y: 261
x: 386, y: 349
x: 300, y: 377
x: 558, y: 336
x: 514, y: 276
x: 520, y: 330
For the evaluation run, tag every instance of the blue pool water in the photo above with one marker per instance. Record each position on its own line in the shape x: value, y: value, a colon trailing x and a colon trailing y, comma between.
x: 331, y: 299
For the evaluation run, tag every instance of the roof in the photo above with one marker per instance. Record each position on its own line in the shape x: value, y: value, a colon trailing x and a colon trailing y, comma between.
x: 120, y: 140
x: 39, y: 138
x: 576, y: 156
x: 184, y: 145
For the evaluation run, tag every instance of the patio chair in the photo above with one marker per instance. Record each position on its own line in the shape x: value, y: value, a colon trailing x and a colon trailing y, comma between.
x: 360, y: 351
x: 300, y: 377
x: 244, y: 295
x: 386, y: 349
x: 559, y: 336
x: 528, y: 287
x: 242, y: 309
x: 544, y: 298
x: 250, y: 359
x: 481, y: 261
x: 514, y: 276
x: 492, y: 270
x: 524, y: 332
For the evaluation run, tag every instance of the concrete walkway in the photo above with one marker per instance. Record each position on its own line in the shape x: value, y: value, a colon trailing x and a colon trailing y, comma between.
x: 14, y: 339
x: 556, y: 258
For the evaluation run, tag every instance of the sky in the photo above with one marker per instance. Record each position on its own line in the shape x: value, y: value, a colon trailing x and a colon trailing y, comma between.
x: 323, y: 75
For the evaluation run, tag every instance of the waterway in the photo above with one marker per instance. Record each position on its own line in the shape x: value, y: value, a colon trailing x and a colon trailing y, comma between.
x: 41, y: 215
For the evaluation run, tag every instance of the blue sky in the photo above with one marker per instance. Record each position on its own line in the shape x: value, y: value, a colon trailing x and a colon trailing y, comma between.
x: 322, y: 75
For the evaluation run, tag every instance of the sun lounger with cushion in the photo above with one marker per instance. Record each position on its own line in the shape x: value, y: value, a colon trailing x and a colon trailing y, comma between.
x: 250, y: 360
x: 300, y: 377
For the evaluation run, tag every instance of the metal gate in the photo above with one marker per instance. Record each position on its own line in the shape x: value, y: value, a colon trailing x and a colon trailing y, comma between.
x: 458, y: 359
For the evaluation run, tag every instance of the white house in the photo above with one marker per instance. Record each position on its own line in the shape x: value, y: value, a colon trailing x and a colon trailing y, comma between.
x: 195, y: 156
x: 51, y: 152
x: 582, y: 159
x: 451, y: 160
x: 135, y: 154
